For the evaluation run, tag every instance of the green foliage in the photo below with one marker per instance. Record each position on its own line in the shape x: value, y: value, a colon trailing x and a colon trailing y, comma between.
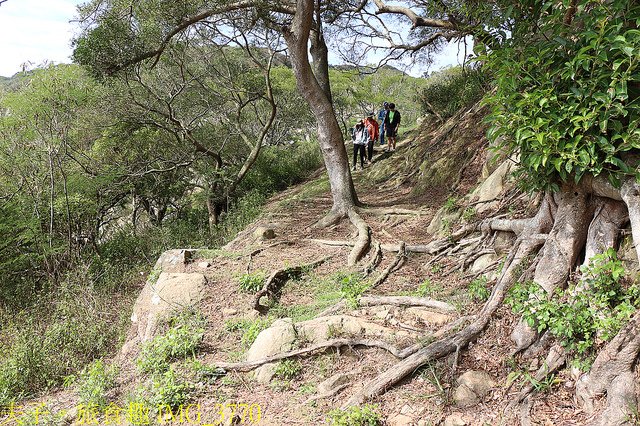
x: 93, y: 383
x: 568, y: 101
x: 449, y: 90
x: 451, y: 204
x: 478, y: 289
x: 288, y: 369
x: 70, y: 327
x: 583, y: 317
x: 469, y: 214
x: 251, y: 282
x: 185, y: 333
x: 249, y: 329
x: 169, y: 390
x: 426, y: 288
x: 352, y: 287
x: 356, y: 416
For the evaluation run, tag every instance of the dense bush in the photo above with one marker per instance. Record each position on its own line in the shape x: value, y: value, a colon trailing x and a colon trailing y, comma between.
x: 448, y: 91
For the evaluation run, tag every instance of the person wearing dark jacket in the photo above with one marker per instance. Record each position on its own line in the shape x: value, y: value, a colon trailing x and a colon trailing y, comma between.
x: 391, y: 125
x: 381, y: 116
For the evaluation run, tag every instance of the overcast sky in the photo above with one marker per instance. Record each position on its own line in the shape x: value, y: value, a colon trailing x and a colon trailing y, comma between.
x: 34, y: 31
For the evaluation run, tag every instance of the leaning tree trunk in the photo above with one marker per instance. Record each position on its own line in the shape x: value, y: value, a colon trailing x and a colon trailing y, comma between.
x: 329, y: 134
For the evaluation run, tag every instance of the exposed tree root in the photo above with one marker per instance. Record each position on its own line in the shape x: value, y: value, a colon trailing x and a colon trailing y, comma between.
x: 523, y: 250
x: 400, y: 259
x: 560, y: 252
x: 334, y: 343
x: 376, y: 258
x: 613, y: 373
x: 332, y: 218
x: 405, y: 301
x: 261, y: 249
x: 382, y: 211
x: 277, y: 280
x: 555, y: 359
x: 363, y: 240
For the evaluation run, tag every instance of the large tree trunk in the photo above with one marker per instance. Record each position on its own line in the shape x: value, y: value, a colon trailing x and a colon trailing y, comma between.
x: 329, y: 134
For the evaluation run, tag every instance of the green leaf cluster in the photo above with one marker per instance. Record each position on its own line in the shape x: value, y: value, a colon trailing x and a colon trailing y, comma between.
x: 586, y: 314
x: 566, y: 96
x: 356, y: 416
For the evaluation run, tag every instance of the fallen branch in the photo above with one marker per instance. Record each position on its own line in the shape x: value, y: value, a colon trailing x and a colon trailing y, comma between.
x: 332, y: 243
x: 278, y: 278
x: 261, y: 249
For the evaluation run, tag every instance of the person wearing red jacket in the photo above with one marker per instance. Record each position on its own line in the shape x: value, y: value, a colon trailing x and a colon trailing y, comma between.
x: 374, y: 132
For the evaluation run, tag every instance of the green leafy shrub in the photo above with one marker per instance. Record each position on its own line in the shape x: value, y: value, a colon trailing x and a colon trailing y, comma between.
x: 426, y: 288
x: 251, y: 282
x: 451, y: 204
x: 186, y: 331
x: 478, y: 289
x: 356, y: 416
x: 170, y: 390
x: 585, y: 317
x: 568, y: 102
x: 93, y: 383
x: 352, y: 287
x: 288, y: 369
x: 69, y: 328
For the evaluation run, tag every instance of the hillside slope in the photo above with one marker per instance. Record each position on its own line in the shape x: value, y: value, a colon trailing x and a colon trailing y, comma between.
x: 350, y: 325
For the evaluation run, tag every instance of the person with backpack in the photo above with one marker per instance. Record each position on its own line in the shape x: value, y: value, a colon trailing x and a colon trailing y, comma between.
x: 360, y: 138
x: 382, y: 114
x: 374, y: 131
x: 391, y: 125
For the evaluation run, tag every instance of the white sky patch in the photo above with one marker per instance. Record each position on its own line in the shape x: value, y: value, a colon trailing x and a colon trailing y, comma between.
x: 35, y: 31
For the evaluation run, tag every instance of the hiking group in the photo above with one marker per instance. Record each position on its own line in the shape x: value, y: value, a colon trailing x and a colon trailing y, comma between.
x: 368, y: 130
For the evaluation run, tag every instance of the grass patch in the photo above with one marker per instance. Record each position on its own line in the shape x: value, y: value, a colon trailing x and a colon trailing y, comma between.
x: 251, y: 282
x: 93, y: 383
x: 185, y: 333
x: 247, y: 328
x: 356, y: 416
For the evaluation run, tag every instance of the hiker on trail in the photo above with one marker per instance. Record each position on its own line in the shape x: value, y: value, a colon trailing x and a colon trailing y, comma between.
x: 382, y: 114
x: 391, y: 124
x: 360, y: 138
x: 374, y: 130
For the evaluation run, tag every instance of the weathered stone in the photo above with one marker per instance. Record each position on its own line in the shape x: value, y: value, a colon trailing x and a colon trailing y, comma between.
x: 325, y: 328
x: 480, y: 382
x: 442, y: 220
x: 277, y: 338
x: 627, y: 254
x: 204, y: 265
x: 465, y: 397
x: 174, y: 260
x: 159, y: 299
x: 264, y: 233
x: 491, y: 188
x: 428, y: 316
x: 332, y: 383
x: 455, y: 419
x: 227, y: 312
x: 482, y: 262
x: 401, y: 420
